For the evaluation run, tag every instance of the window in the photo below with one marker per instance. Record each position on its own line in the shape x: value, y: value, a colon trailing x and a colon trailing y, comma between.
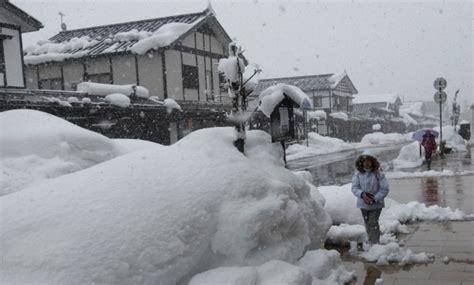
x: 100, y: 78
x: 51, y: 84
x: 209, y: 87
x: 190, y: 77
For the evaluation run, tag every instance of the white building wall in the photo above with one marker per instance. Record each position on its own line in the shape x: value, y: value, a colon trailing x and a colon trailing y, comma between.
x: 31, y: 78
x: 216, y: 46
x: 47, y: 71
x: 174, y: 74
x: 188, y: 41
x: 124, y: 71
x: 98, y: 65
x: 73, y: 74
x: 13, y: 58
x: 151, y: 74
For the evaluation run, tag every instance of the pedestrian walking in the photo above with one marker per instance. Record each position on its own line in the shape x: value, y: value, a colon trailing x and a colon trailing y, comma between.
x: 370, y: 187
x: 429, y: 143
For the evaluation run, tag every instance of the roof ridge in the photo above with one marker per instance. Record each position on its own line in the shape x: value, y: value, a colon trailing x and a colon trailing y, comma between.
x: 295, y: 77
x: 204, y: 13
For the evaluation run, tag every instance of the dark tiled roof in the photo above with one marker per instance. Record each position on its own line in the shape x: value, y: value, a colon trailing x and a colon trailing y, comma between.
x: 33, y: 24
x: 305, y: 83
x: 104, y: 34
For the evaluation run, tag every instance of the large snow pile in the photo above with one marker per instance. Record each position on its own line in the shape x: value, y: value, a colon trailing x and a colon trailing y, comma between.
x: 106, y: 89
x: 230, y: 68
x: 160, y: 215
x: 315, y: 267
x: 269, y: 98
x: 382, y: 138
x: 341, y: 205
x: 452, y: 138
x: 36, y: 146
x: 409, y: 156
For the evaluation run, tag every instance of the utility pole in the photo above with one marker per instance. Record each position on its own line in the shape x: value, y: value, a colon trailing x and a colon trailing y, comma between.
x: 440, y: 97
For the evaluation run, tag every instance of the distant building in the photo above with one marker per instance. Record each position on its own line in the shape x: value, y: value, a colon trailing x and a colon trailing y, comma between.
x: 377, y: 105
x: 173, y: 57
x: 330, y: 93
x: 426, y: 113
x: 13, y: 22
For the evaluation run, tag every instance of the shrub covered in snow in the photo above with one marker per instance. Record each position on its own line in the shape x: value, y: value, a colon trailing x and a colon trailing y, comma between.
x: 106, y: 89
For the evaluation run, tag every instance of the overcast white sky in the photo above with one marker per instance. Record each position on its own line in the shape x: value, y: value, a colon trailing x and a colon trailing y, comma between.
x: 385, y: 47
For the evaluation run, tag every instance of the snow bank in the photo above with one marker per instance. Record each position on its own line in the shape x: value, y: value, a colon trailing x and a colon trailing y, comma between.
x: 344, y: 232
x: 161, y: 214
x: 37, y: 146
x: 273, y: 95
x: 382, y: 138
x: 341, y: 206
x: 124, y: 146
x: 118, y: 100
x: 106, y: 89
x: 409, y: 157
x: 315, y: 267
x: 393, y: 253
x: 164, y: 36
x: 452, y: 138
x: 318, y: 144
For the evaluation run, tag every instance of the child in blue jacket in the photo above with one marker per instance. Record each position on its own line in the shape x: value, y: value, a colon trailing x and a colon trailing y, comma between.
x: 370, y: 187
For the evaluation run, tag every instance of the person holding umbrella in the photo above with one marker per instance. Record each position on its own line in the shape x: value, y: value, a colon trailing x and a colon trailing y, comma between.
x: 429, y: 143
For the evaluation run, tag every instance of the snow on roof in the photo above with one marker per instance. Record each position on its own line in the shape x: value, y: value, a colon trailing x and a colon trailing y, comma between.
x: 336, y: 78
x: 164, y: 36
x: 138, y: 37
x: 273, y: 95
x: 375, y: 98
x: 106, y: 89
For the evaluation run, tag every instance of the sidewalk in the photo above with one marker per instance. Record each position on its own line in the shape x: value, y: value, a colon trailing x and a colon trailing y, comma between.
x: 451, y: 242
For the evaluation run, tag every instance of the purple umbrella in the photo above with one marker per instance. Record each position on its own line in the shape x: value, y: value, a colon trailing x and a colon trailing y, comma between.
x: 418, y: 135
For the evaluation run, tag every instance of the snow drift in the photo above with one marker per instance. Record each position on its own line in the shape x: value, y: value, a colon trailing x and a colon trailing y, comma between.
x: 163, y: 214
x: 36, y: 146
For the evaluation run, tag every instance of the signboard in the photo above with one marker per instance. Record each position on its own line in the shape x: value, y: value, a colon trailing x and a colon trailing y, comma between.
x: 282, y: 122
x: 306, y: 104
x: 440, y: 97
x: 440, y: 83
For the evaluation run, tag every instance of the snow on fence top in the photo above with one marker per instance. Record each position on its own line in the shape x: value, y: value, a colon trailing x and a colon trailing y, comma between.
x: 340, y: 115
x: 319, y: 115
x: 106, y: 89
x: 273, y: 95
